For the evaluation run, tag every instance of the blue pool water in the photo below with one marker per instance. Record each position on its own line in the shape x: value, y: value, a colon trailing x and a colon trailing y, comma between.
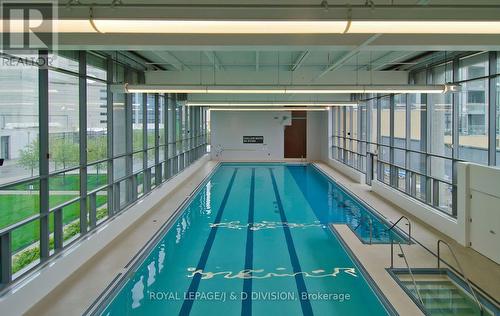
x: 254, y: 240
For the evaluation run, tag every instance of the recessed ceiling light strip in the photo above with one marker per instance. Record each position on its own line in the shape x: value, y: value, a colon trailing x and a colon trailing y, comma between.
x: 318, y: 89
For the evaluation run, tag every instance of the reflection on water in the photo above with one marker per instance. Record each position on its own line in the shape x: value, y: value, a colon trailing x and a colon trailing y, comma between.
x: 265, y: 225
x: 261, y: 274
x: 330, y: 205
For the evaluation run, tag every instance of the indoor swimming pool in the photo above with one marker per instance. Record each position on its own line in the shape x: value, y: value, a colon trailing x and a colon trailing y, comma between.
x: 254, y: 239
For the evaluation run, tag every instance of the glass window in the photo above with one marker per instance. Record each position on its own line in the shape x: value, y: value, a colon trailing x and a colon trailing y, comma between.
x: 18, y: 202
x: 137, y: 130
x: 150, y: 108
x: 498, y: 62
x: 400, y: 120
x: 137, y: 118
x: 67, y: 60
x: 473, y: 109
x: 64, y: 149
x: 385, y: 121
x: 18, y: 120
x: 119, y: 124
x: 474, y: 66
x: 473, y: 121
x: 348, y: 127
x: 161, y: 119
x: 96, y: 121
x: 118, y: 73
x: 441, y: 168
x: 418, y: 113
x: 374, y: 129
x: 445, y: 198
x: 19, y: 146
x: 96, y: 66
x: 440, y: 107
x: 162, y: 151
x: 178, y: 126
x: 64, y: 187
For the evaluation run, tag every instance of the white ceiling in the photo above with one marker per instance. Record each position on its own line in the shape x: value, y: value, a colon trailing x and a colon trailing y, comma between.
x: 257, y: 60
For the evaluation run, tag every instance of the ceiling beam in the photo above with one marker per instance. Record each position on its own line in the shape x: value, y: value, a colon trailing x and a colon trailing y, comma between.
x: 387, y: 59
x: 168, y: 58
x: 141, y: 60
x: 300, y: 59
x: 339, y: 63
x: 212, y: 57
x: 391, y: 61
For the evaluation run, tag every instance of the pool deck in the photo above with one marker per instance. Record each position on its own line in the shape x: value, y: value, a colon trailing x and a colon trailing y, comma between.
x: 78, y: 292
x: 480, y: 270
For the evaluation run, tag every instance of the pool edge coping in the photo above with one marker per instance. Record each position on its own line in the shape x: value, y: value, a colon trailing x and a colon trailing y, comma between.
x: 119, y: 280
x: 391, y: 310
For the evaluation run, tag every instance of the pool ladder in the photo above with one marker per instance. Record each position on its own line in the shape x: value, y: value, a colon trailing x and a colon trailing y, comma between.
x: 469, y: 285
x: 392, y: 241
x: 439, y: 242
x: 403, y: 255
x: 370, y: 223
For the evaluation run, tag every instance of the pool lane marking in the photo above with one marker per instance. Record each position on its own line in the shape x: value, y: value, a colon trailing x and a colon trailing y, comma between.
x: 246, y: 304
x: 299, y: 278
x: 195, y: 281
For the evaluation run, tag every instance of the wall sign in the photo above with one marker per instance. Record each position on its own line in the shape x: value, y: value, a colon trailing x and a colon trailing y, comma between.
x: 253, y: 139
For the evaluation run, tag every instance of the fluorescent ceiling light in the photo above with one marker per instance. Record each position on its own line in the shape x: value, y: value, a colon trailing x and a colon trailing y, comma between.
x: 256, y: 109
x: 57, y: 26
x: 220, y: 27
x: 317, y: 89
x: 145, y: 26
x: 425, y: 27
x: 269, y: 104
x: 262, y: 90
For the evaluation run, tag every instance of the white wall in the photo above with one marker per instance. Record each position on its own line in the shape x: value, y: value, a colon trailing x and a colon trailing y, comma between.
x: 228, y: 129
x: 478, y: 202
x: 314, y: 131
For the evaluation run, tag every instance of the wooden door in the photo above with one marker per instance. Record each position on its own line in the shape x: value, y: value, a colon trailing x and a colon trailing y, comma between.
x: 296, y: 136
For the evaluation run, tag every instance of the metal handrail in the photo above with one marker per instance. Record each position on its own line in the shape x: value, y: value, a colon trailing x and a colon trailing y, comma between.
x: 411, y: 273
x: 370, y: 223
x: 461, y: 271
x: 409, y: 227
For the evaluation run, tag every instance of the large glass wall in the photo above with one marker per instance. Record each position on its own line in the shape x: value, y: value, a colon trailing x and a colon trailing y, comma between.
x: 74, y: 154
x: 418, y: 138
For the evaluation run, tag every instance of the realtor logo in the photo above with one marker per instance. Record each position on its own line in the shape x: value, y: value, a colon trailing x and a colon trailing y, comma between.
x: 28, y: 25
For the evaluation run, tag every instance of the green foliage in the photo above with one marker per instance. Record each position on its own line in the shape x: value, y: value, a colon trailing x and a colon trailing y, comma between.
x: 97, y: 148
x: 71, y: 230
x: 29, y: 155
x: 24, y: 258
x: 64, y: 151
x: 101, y: 213
x: 30, y: 254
